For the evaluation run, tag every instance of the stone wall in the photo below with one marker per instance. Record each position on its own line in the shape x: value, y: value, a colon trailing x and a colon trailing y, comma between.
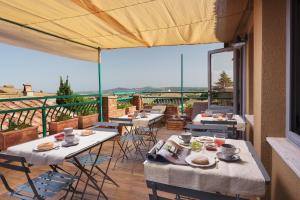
x: 110, y: 109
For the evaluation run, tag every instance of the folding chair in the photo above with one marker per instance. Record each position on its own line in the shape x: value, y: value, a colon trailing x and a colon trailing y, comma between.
x: 220, y: 109
x: 206, y: 130
x: 125, y: 139
x: 152, y: 130
x: 44, y: 186
x: 92, y: 161
x: 199, y: 107
x: 230, y: 124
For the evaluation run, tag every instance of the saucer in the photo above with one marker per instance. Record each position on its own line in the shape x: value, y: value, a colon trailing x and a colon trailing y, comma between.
x: 65, y: 144
x: 234, y: 158
x: 185, y: 144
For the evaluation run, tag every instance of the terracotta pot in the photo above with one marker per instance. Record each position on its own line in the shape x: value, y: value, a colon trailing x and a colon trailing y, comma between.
x: 56, y: 127
x: 130, y: 109
x: 189, y: 113
x: 87, y: 121
x: 15, y: 137
x: 175, y: 124
x: 171, y: 110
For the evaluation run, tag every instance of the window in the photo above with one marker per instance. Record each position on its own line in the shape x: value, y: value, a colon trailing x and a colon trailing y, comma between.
x: 293, y: 74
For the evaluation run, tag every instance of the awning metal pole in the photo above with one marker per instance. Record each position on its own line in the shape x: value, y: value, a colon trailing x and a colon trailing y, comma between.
x: 100, y: 86
x: 181, y: 87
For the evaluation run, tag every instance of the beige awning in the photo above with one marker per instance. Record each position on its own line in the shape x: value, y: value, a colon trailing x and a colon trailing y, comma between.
x: 77, y: 28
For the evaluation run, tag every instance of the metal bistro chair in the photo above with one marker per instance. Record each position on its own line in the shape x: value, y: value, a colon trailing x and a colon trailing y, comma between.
x: 92, y: 161
x: 44, y: 186
x: 125, y: 139
x: 151, y: 131
x: 206, y: 130
x: 231, y: 125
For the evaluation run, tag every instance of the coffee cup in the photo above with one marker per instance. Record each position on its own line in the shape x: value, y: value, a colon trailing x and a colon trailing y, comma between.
x: 68, y: 131
x: 186, y: 137
x: 70, y: 138
x: 228, y: 150
x: 229, y: 116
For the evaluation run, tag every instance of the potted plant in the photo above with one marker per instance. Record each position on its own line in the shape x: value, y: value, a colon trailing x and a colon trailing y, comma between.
x: 17, y: 134
x: 86, y: 118
x: 129, y: 108
x: 188, y: 110
x: 62, y: 121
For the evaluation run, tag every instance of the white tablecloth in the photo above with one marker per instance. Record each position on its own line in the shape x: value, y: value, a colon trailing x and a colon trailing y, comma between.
x: 241, y: 124
x: 243, y: 177
x: 56, y: 156
x: 143, y: 122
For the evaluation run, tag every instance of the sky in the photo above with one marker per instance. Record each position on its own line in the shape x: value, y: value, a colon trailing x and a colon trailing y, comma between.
x: 130, y: 68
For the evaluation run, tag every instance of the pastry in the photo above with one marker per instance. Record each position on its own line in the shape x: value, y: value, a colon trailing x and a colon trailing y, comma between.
x: 201, y: 160
x: 45, y: 146
x: 86, y: 132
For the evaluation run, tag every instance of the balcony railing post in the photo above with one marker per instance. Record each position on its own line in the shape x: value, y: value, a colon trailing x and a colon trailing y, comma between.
x: 44, y: 119
x: 181, y: 85
x: 100, y: 86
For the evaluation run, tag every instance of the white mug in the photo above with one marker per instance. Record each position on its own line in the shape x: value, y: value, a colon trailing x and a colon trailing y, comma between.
x: 68, y: 131
x: 228, y: 150
x: 186, y: 137
x: 70, y: 138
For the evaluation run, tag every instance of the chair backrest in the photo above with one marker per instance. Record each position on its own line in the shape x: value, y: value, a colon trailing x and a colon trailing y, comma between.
x: 216, y: 122
x: 9, y: 162
x: 206, y: 130
x: 220, y: 109
x: 198, y: 107
x: 105, y: 126
x: 121, y: 121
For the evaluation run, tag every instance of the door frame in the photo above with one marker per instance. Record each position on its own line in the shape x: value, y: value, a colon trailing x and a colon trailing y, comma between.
x: 238, y: 61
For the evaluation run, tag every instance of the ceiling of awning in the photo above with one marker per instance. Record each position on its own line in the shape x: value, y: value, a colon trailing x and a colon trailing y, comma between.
x: 77, y: 28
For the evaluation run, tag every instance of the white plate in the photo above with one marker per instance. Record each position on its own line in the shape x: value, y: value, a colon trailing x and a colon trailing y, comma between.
x: 80, y: 134
x: 211, y: 159
x: 41, y: 150
x: 206, y: 139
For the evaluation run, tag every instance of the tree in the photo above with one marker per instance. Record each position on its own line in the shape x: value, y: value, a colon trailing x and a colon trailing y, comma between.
x: 64, y: 89
x: 224, y: 81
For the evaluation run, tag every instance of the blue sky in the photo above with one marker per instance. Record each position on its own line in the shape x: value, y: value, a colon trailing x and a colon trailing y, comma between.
x: 157, y: 67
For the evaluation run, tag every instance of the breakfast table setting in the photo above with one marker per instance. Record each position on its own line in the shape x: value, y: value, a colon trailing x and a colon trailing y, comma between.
x: 55, y: 149
x: 219, y: 118
x: 68, y: 146
x: 201, y: 167
x: 142, y: 119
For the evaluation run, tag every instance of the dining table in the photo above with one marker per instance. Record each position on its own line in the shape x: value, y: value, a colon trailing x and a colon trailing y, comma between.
x: 245, y: 177
x: 56, y: 157
x: 203, y: 118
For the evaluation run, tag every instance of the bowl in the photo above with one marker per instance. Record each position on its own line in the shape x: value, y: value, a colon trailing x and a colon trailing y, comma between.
x: 60, y: 137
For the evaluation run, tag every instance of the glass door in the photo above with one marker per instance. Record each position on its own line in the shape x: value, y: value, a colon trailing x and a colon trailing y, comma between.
x: 225, y: 79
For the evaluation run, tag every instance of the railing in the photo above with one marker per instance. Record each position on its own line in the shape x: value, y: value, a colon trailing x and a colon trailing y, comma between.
x: 165, y: 97
x: 162, y: 97
x: 34, y: 108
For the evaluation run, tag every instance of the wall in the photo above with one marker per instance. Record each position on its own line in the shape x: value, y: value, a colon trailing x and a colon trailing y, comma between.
x: 285, y: 183
x: 269, y: 74
x: 268, y: 93
x: 109, y: 107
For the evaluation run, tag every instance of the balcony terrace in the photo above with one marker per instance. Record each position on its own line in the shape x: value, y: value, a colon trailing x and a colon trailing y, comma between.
x: 262, y: 39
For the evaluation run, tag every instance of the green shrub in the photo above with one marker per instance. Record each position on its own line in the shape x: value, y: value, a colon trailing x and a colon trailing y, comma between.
x: 124, y: 105
x: 62, y: 117
x: 14, y: 126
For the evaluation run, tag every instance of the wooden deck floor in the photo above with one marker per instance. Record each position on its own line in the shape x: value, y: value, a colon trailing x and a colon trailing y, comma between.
x: 132, y: 183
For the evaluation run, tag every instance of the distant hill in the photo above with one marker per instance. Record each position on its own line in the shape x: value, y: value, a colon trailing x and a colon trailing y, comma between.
x: 146, y: 89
